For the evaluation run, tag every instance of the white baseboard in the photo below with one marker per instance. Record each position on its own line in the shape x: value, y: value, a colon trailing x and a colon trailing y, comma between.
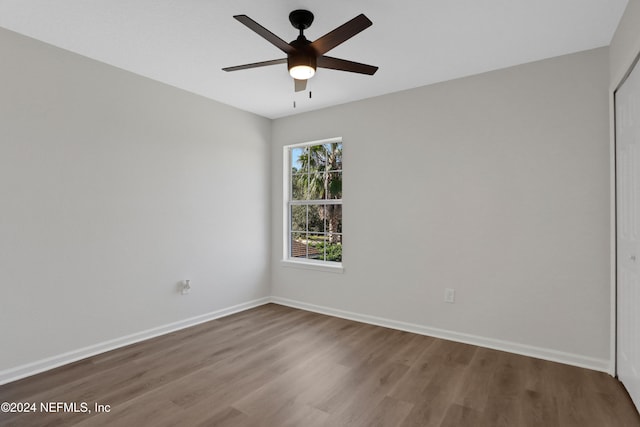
x: 602, y: 365
x: 33, y: 368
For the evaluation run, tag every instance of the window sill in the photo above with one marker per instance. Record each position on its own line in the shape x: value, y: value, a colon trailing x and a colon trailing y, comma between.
x: 307, y: 265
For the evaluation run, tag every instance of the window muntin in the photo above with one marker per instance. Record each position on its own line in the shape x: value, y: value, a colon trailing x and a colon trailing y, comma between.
x: 314, y: 202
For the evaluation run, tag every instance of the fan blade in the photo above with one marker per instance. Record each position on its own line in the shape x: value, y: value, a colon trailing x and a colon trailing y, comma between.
x: 341, y: 34
x: 300, y: 85
x: 266, y: 34
x: 256, y: 65
x: 344, y: 65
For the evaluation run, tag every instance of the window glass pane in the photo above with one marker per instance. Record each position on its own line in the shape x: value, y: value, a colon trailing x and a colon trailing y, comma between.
x: 298, y: 218
x: 334, y: 156
x: 296, y: 164
x: 298, y: 186
x: 316, y: 218
x: 317, y: 246
x: 333, y: 247
x: 333, y: 214
x: 325, y: 247
x: 316, y: 158
x: 315, y: 185
x: 333, y: 185
x: 298, y: 245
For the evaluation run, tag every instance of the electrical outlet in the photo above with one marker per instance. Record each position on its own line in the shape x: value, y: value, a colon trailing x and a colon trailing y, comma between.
x: 186, y: 287
x: 449, y: 295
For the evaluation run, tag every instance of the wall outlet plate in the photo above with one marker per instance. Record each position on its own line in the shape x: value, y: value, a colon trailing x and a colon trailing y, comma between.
x: 449, y: 295
x: 184, y: 287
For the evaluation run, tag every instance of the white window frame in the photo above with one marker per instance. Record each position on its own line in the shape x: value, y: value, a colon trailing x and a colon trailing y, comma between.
x: 287, y: 261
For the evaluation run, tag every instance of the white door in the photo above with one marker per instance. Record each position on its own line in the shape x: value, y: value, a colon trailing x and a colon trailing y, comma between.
x: 627, y: 109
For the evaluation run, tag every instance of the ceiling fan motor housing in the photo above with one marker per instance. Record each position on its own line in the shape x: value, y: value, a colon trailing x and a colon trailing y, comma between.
x: 304, y: 55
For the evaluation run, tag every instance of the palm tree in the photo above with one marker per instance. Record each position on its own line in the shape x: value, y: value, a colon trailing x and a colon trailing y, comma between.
x: 319, y: 177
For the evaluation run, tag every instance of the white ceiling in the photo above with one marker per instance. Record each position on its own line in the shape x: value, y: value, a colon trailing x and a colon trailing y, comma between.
x: 185, y: 43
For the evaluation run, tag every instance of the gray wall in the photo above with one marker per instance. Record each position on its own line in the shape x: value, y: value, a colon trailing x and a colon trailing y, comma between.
x: 113, y: 188
x: 625, y: 45
x: 496, y: 185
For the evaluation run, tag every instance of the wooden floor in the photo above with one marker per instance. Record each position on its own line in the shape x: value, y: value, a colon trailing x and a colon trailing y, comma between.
x: 276, y: 366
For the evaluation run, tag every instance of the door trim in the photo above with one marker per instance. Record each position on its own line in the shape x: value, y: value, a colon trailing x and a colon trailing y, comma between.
x: 614, y: 213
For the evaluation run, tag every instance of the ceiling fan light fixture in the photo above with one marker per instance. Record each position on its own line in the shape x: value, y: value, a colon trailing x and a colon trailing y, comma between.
x: 301, y: 67
x: 302, y: 72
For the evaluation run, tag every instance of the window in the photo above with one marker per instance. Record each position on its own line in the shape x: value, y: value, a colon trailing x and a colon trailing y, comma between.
x: 313, y: 203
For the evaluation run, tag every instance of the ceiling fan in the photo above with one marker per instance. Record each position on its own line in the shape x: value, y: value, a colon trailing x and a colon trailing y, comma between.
x: 304, y: 56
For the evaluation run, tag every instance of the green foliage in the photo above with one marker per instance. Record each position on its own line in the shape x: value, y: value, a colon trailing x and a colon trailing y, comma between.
x: 334, y: 250
x: 305, y: 218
